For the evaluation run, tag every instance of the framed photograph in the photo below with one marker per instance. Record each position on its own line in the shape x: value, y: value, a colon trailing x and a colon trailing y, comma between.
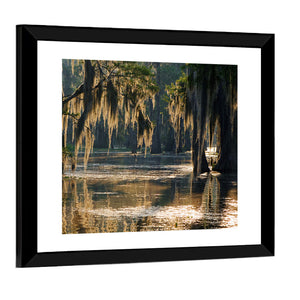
x: 138, y: 145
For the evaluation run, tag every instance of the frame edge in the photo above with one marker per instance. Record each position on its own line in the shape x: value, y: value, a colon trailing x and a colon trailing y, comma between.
x: 268, y: 143
x: 27, y: 255
x: 26, y: 227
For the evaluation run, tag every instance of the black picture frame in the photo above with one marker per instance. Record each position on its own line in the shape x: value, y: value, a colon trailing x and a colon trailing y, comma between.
x: 27, y: 176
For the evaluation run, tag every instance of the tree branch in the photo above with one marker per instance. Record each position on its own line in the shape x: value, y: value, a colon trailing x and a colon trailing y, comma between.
x: 78, y: 91
x: 73, y: 116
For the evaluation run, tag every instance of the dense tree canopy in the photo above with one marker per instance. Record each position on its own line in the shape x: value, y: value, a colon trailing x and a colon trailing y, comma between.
x: 108, y: 89
x: 205, y: 99
x: 161, y: 106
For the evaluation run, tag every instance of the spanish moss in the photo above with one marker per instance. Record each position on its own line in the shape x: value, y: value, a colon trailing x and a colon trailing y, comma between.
x: 108, y: 89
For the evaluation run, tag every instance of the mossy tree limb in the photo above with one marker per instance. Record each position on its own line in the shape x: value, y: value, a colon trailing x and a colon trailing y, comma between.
x: 109, y: 88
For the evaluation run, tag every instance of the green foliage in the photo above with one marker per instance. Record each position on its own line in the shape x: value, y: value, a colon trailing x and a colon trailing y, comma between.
x: 72, y: 75
x: 67, y: 151
x: 122, y: 96
x: 72, y: 115
x: 212, y: 90
x: 170, y: 72
x: 108, y: 91
x: 177, y: 89
x: 179, y: 109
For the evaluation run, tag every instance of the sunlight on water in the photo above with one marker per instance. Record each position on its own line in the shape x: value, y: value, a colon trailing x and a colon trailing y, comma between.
x: 121, y: 192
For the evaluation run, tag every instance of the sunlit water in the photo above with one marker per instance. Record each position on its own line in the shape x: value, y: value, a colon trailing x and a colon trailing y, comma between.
x: 121, y: 192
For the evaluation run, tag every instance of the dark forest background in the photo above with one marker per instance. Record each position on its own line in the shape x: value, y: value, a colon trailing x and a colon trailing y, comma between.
x: 142, y: 106
x: 163, y: 139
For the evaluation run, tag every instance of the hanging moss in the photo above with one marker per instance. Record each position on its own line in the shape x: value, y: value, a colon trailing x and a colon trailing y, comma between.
x: 206, y: 99
x: 145, y: 130
x: 212, y: 91
x: 109, y: 88
x: 179, y: 107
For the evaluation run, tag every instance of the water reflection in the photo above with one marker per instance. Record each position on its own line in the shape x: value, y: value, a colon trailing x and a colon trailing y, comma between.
x: 121, y: 193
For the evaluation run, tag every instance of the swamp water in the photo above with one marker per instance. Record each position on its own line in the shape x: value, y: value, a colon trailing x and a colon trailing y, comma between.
x: 121, y: 192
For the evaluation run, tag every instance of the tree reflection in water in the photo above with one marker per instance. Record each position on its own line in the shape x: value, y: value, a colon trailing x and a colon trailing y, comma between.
x: 93, y: 206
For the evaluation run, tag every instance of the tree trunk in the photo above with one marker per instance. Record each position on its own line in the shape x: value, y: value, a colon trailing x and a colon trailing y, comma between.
x: 89, y: 75
x: 66, y: 85
x: 133, y: 138
x: 227, y: 162
x: 228, y: 136
x: 181, y: 137
x: 195, y: 149
x: 170, y: 144
x: 156, y: 142
x: 199, y: 98
x: 198, y: 152
x: 213, y: 97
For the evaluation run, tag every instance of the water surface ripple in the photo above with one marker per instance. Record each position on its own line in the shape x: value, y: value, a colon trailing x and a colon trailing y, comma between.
x: 121, y: 192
